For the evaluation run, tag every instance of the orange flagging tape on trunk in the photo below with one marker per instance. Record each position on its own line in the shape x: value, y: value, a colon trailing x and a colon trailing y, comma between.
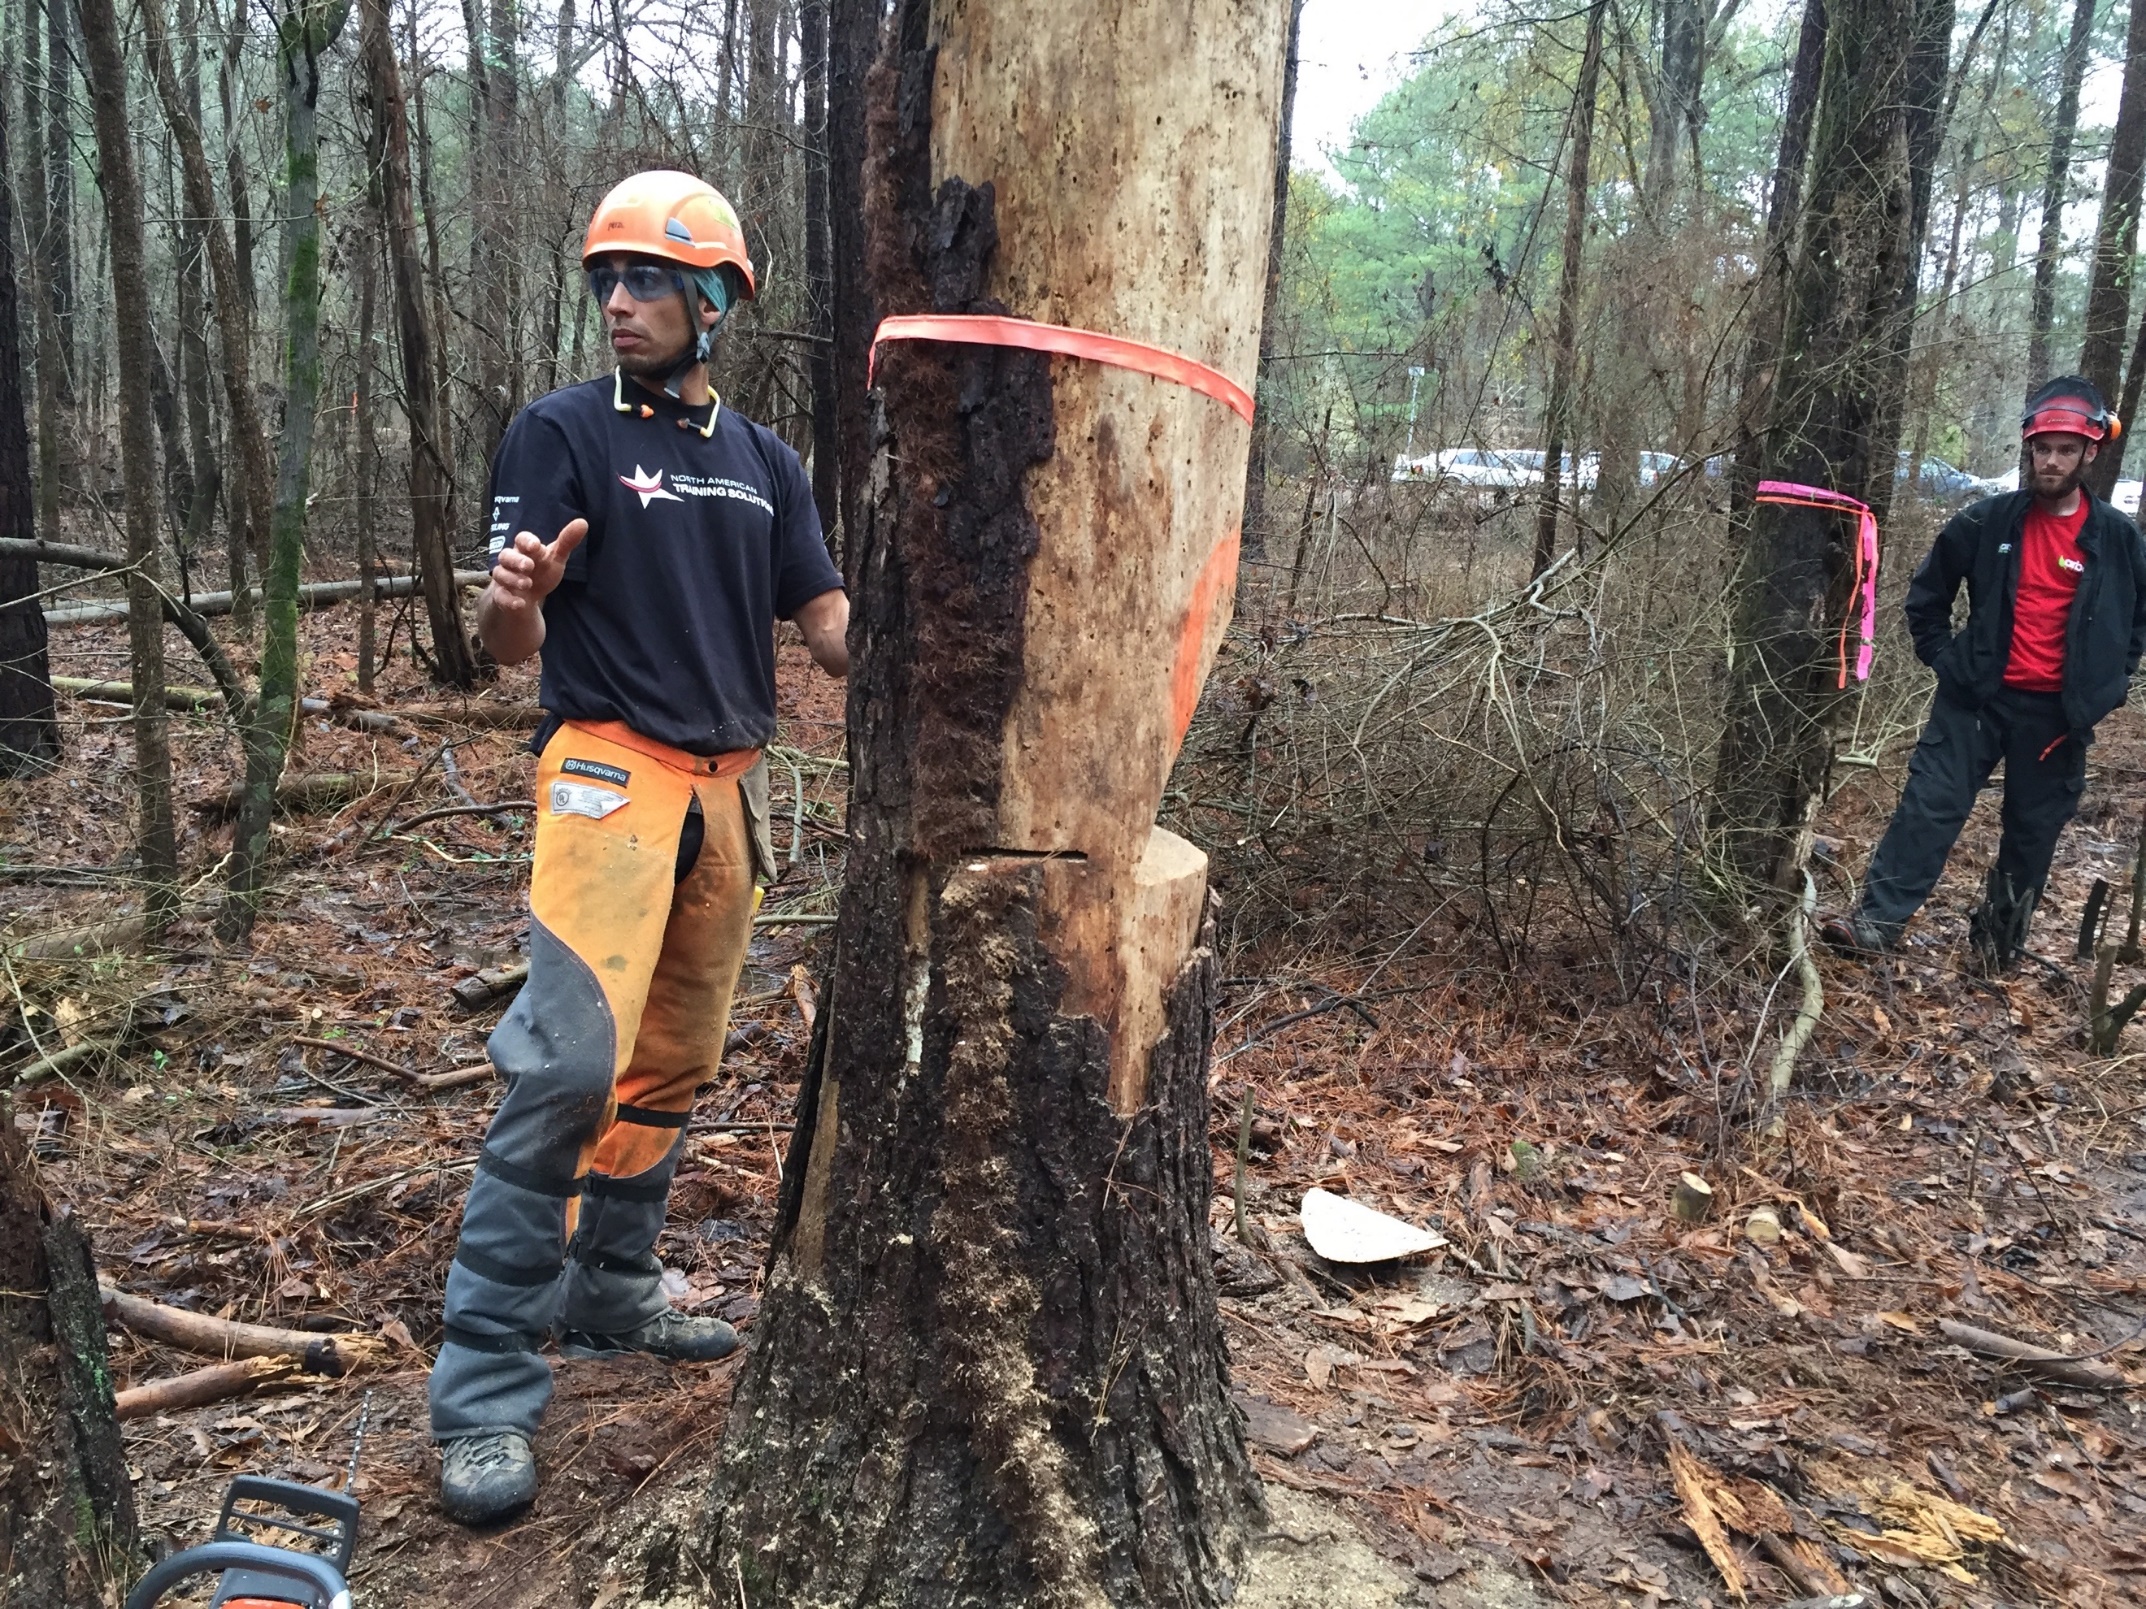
x: 1217, y: 580
x: 984, y: 329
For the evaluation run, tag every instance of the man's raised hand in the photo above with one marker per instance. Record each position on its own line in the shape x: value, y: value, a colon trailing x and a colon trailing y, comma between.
x: 529, y: 572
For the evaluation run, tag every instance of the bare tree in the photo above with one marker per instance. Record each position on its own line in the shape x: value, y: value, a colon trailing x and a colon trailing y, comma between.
x: 29, y: 733
x: 1255, y: 474
x: 1796, y: 567
x: 388, y: 150
x: 2108, y: 301
x: 1565, y: 353
x: 2055, y: 186
x: 105, y: 64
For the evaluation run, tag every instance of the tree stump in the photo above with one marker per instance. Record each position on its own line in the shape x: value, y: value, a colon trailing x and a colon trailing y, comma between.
x: 989, y: 1367
x: 66, y: 1507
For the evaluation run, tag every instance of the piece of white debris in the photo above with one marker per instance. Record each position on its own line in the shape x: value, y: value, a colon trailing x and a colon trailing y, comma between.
x: 1345, y: 1231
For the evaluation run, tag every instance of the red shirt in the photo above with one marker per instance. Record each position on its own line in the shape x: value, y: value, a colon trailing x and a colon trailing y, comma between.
x: 2049, y: 571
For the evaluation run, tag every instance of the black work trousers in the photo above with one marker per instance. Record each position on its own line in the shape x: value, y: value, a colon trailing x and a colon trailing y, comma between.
x: 2044, y: 774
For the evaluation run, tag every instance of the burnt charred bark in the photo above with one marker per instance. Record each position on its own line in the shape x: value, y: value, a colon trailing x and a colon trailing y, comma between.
x: 989, y: 1367
x: 67, y: 1530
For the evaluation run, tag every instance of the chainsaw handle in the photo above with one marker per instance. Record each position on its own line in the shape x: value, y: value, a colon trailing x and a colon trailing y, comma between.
x: 324, y: 1585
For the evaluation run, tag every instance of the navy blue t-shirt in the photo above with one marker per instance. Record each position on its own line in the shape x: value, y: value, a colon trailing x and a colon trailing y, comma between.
x: 697, y: 545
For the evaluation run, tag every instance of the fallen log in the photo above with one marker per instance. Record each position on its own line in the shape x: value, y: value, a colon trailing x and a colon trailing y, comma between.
x: 313, y: 595
x: 302, y: 791
x: 50, y: 1066
x: 60, y: 944
x: 186, y: 699
x: 226, y: 1338
x: 482, y: 988
x: 2061, y: 1367
x: 198, y: 1386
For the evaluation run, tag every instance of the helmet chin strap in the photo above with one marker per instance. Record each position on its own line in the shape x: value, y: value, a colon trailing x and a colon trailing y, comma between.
x: 710, y: 286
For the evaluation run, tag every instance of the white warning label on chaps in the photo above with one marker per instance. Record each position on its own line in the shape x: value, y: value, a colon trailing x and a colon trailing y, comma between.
x: 581, y: 799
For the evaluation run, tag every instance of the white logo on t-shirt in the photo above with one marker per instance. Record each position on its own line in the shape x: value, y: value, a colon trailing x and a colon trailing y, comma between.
x: 649, y: 488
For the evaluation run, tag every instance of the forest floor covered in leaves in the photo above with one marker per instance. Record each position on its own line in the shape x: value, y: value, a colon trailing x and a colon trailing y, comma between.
x: 1579, y: 1400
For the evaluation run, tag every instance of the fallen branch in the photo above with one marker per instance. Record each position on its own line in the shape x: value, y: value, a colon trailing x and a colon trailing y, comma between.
x: 59, y: 1061
x: 313, y: 595
x: 482, y: 988
x: 212, y: 1384
x: 452, y: 1078
x: 1798, y: 1033
x: 186, y: 699
x: 188, y: 620
x: 504, y: 807
x: 2062, y: 1367
x: 65, y: 943
x: 301, y: 791
x: 199, y: 1332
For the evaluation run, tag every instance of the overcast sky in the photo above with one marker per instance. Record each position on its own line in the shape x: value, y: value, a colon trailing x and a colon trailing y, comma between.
x: 1349, y: 53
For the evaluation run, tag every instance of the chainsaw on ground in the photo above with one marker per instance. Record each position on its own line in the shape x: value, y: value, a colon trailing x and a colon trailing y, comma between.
x: 277, y: 1544
x: 315, y: 1531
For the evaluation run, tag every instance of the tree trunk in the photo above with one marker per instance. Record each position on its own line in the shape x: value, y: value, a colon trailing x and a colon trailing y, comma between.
x: 36, y: 220
x: 1565, y: 353
x: 1769, y: 293
x: 368, y: 452
x: 496, y: 158
x: 1929, y: 53
x: 2054, y: 185
x: 305, y: 31
x: 388, y: 147
x: 1797, y: 564
x: 819, y: 273
x: 852, y: 37
x: 105, y: 66
x: 2108, y: 303
x: 29, y: 732
x: 256, y: 477
x: 195, y: 312
x: 989, y: 1367
x: 1255, y: 474
x: 66, y: 1508
x: 57, y: 226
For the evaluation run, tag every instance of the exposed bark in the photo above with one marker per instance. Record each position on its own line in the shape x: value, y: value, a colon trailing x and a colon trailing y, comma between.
x: 388, y: 148
x: 1565, y: 354
x: 66, y: 1508
x: 106, y: 64
x: 29, y: 734
x: 1255, y: 473
x: 1797, y: 564
x: 305, y: 31
x: 2063, y: 129
x: 227, y: 279
x: 989, y: 1367
x: 2108, y: 302
x: 1769, y: 294
x: 819, y: 273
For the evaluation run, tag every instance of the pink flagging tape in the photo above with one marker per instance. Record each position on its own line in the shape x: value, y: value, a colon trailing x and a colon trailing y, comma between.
x: 985, y: 329
x: 1866, y: 562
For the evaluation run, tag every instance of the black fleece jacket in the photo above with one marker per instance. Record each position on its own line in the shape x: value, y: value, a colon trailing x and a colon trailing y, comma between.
x: 2103, y: 639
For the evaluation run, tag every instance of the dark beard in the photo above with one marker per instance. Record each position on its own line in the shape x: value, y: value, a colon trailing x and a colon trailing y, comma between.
x: 2071, y: 483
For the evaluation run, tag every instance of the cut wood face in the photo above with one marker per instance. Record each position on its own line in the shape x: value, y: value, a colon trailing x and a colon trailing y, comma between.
x: 1144, y: 215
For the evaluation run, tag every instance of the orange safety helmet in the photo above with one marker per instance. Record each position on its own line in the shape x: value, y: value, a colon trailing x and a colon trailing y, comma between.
x: 672, y: 216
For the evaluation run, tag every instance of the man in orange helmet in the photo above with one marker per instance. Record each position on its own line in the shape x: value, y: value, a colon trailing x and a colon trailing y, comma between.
x: 645, y: 539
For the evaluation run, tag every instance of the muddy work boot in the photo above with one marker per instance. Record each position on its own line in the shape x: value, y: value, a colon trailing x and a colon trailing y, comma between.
x: 487, y: 1477
x: 1855, y: 934
x: 673, y: 1335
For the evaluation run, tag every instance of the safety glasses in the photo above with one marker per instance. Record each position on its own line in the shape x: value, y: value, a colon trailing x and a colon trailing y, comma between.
x: 644, y: 282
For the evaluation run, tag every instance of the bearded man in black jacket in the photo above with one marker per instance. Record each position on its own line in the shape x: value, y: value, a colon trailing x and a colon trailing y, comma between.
x: 2056, y: 624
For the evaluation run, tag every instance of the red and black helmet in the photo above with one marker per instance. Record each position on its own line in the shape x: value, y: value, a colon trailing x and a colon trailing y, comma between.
x: 2070, y: 405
